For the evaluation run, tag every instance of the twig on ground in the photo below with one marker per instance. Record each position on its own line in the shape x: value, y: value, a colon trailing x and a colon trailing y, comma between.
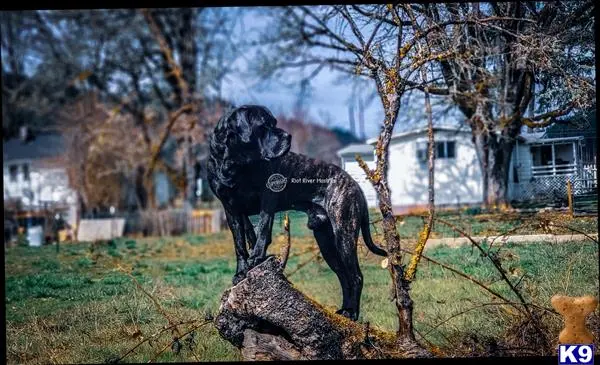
x: 180, y: 337
x: 493, y: 260
x: 576, y: 231
x: 154, y: 336
x: 154, y: 300
x: 511, y: 231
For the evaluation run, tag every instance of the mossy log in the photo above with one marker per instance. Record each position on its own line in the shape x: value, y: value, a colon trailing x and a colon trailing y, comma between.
x: 268, y: 319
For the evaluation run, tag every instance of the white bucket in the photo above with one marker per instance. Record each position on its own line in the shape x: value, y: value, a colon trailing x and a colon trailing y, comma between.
x: 35, y: 236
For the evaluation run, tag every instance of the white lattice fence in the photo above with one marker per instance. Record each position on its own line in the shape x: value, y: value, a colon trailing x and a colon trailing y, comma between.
x: 547, y: 188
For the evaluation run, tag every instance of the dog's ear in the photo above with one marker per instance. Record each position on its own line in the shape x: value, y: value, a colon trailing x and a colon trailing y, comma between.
x: 220, y: 153
x: 224, y: 167
x: 225, y: 172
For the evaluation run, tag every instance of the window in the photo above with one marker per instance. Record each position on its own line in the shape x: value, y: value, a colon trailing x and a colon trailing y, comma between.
x: 12, y: 171
x: 25, y: 172
x: 542, y: 155
x: 440, y: 149
x: 422, y: 151
x: 451, y: 149
x: 443, y: 149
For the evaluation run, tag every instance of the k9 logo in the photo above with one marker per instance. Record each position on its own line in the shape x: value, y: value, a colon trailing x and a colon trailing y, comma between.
x: 576, y: 354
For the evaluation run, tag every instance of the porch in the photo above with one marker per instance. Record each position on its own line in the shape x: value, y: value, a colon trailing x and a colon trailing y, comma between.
x: 555, y: 157
x: 541, y: 168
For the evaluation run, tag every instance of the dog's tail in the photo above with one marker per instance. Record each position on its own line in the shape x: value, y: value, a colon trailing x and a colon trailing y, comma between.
x: 366, y: 233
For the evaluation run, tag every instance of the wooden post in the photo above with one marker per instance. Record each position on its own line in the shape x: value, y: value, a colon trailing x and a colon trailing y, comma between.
x: 575, y: 160
x: 570, y: 197
x: 553, y: 161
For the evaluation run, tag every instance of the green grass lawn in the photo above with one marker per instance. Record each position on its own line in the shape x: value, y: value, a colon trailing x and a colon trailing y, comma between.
x: 75, y: 306
x: 473, y: 224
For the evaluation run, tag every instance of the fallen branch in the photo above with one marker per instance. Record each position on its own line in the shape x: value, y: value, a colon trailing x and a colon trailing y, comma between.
x: 496, y: 262
x: 434, y: 327
x: 576, y: 231
x: 269, y: 319
x: 475, y: 281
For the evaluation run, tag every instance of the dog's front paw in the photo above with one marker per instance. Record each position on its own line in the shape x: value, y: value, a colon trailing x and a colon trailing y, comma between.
x: 255, y: 261
x: 238, y: 277
x: 353, y: 316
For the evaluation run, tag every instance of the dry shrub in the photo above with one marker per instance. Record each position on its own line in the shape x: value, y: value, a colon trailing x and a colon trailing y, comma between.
x: 523, y: 336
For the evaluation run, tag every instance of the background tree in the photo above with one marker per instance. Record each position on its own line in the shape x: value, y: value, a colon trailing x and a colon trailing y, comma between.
x: 519, y: 64
x: 165, y: 62
x: 504, y: 65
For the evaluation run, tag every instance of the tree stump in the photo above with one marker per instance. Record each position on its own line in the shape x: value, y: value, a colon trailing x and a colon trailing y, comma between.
x: 268, y: 319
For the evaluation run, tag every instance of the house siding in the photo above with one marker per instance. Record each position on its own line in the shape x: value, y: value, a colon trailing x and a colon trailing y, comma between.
x: 457, y: 180
x: 351, y: 166
x: 48, y: 186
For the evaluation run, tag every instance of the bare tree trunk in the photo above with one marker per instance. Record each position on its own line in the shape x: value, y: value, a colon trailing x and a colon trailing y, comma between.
x: 499, y: 163
x: 481, y: 148
x: 494, y: 154
x: 190, y: 174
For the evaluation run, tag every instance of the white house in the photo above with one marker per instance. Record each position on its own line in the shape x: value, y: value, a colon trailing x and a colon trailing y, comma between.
x: 35, y: 177
x: 457, y: 170
x: 540, y: 166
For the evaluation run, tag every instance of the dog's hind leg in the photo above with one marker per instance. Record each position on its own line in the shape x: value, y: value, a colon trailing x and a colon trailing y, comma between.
x: 340, y: 254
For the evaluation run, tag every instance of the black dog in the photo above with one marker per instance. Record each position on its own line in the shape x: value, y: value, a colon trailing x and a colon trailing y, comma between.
x: 252, y: 172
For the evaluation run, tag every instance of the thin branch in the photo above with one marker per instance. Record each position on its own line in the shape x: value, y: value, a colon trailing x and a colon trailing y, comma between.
x: 461, y: 274
x: 181, y: 336
x: 426, y: 230
x: 478, y: 307
x: 285, y: 252
x: 300, y: 266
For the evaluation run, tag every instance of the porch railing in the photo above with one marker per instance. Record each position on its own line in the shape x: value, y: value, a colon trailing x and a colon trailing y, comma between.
x: 553, y: 170
x: 585, y: 191
x: 587, y: 180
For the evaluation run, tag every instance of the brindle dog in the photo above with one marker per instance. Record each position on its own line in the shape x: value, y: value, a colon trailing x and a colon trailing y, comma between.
x: 252, y: 172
